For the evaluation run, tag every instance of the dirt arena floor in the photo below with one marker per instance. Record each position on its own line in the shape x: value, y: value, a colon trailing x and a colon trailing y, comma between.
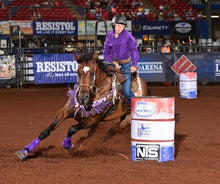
x: 25, y: 113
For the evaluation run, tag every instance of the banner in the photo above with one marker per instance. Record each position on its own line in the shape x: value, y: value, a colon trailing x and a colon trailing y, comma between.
x: 7, y: 67
x: 61, y: 68
x: 137, y: 28
x: 206, y: 66
x: 55, y: 27
x: 25, y: 26
x: 183, y: 28
x: 166, y: 67
x: 151, y: 28
x: 217, y: 67
x: 54, y: 68
x: 101, y: 27
x: 151, y: 67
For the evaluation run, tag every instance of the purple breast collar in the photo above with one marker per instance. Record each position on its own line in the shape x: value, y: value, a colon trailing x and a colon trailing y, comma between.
x: 98, y: 106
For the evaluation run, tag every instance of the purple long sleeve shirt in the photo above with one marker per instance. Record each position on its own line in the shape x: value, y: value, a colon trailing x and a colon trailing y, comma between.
x: 121, y: 48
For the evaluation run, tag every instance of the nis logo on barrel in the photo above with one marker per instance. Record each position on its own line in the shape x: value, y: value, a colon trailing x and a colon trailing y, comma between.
x: 145, y: 109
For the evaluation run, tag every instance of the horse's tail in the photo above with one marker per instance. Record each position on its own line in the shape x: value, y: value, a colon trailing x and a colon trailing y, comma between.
x: 139, y: 86
x: 148, y: 91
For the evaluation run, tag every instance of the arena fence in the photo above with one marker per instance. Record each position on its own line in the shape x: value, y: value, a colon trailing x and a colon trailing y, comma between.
x: 154, y: 66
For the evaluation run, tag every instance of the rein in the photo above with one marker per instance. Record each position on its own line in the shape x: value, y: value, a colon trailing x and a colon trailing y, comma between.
x: 93, y: 88
x: 98, y: 106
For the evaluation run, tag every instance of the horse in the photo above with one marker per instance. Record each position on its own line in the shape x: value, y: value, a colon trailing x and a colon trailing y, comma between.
x: 97, y: 96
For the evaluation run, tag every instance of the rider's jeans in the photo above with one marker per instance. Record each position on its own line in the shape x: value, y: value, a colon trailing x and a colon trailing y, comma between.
x: 126, y: 86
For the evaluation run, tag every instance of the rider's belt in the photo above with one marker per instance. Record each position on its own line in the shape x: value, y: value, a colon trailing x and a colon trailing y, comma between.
x: 125, y: 61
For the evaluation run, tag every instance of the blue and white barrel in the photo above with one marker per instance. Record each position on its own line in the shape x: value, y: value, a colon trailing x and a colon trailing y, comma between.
x: 188, y: 85
x: 152, y: 128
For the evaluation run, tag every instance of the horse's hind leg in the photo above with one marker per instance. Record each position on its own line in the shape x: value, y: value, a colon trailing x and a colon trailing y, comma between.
x: 125, y: 121
x: 92, y: 129
x: 61, y: 116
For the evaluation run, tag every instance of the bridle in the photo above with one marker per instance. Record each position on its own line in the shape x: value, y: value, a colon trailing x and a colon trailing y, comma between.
x: 93, y: 88
x: 100, y: 104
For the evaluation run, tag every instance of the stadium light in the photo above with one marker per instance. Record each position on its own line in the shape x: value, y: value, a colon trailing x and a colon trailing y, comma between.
x: 214, y: 16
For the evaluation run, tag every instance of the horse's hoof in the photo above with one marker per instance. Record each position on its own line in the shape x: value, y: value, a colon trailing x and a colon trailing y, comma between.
x: 22, y: 154
x: 68, y: 145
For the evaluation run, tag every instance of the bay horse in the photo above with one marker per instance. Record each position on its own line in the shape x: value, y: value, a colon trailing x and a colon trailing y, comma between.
x: 97, y: 96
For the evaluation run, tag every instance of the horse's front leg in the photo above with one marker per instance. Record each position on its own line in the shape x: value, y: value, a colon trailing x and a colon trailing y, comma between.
x: 87, y: 123
x: 62, y: 114
x: 67, y: 143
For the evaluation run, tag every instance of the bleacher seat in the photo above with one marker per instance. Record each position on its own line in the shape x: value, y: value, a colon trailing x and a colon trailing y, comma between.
x: 47, y: 13
x: 178, y: 6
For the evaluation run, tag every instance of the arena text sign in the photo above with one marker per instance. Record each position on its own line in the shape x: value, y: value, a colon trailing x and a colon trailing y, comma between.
x: 55, y: 27
x: 54, y: 68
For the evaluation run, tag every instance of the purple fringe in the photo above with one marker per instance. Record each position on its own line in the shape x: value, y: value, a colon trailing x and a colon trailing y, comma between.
x: 99, y: 108
x: 96, y: 109
x: 72, y: 97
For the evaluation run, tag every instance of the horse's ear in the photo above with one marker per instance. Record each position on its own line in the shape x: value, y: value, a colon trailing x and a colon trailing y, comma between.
x: 77, y: 57
x: 95, y: 56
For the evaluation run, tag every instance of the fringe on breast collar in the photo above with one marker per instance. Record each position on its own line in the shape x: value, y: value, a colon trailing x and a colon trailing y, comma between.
x: 97, y: 107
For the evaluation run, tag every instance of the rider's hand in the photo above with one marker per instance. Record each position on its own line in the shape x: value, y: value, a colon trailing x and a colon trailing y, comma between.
x: 117, y: 66
x: 133, y: 69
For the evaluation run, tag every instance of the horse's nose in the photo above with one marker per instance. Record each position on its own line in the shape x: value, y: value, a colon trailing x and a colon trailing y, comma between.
x: 83, y: 98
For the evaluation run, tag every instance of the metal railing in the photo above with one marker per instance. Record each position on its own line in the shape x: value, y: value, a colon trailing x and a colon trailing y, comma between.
x: 142, y: 49
x: 24, y: 62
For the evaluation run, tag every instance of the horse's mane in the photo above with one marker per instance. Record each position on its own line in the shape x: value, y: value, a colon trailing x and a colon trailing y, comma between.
x: 88, y: 57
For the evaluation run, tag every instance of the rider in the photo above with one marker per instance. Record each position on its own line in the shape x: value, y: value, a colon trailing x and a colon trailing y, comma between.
x: 121, y: 50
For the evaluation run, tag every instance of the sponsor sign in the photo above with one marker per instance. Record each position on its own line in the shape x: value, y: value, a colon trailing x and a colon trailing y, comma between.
x: 101, y: 27
x: 55, y: 27
x: 183, y: 64
x: 160, y: 152
x: 147, y: 152
x: 151, y: 67
x: 54, y: 68
x: 7, y: 67
x: 143, y: 130
x: 217, y: 67
x: 25, y: 26
x: 152, y: 130
x: 183, y: 28
x: 144, y: 109
x: 152, y: 108
x: 151, y: 28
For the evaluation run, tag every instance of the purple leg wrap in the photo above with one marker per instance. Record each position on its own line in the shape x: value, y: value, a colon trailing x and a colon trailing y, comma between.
x: 33, y: 144
x: 67, y: 144
x: 22, y: 154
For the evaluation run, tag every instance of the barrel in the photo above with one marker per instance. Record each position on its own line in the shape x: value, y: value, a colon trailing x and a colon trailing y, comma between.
x: 152, y: 128
x: 188, y: 85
